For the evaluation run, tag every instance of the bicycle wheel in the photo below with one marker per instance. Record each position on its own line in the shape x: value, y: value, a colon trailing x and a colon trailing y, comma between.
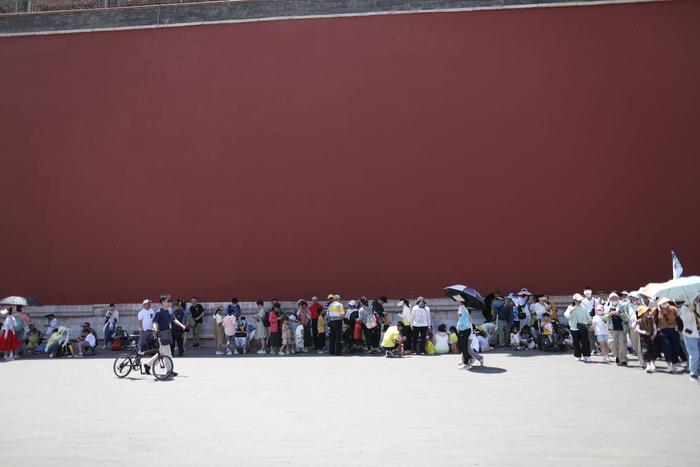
x: 122, y: 365
x: 162, y: 367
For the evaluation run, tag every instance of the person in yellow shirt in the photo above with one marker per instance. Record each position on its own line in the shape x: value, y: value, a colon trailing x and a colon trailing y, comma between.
x: 321, y: 331
x: 334, y: 317
x: 393, y: 341
x: 454, y: 340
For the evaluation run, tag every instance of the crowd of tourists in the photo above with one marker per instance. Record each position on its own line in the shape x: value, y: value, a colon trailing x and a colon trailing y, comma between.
x: 605, y: 325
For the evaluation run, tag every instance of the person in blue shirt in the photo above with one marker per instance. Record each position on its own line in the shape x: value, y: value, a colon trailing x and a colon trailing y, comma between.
x: 234, y: 308
x: 464, y: 331
x: 162, y: 321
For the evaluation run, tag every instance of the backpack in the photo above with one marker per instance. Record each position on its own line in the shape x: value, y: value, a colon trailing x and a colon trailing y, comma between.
x: 371, y: 321
x: 357, y: 332
x: 266, y: 319
x: 116, y: 344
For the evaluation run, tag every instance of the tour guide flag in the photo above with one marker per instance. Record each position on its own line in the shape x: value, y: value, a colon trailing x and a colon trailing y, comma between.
x: 677, y: 268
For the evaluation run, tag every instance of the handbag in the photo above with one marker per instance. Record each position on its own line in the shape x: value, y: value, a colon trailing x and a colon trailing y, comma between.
x: 581, y: 327
x: 166, y: 337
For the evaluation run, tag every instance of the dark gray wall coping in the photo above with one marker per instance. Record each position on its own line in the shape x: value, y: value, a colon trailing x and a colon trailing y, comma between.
x: 168, y: 15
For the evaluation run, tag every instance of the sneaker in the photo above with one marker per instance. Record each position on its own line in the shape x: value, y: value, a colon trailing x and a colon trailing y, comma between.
x: 281, y: 353
x: 235, y: 352
x: 694, y: 378
x: 481, y: 361
x: 261, y: 352
x: 173, y: 373
x: 652, y: 366
x: 390, y: 354
x: 79, y: 355
x: 649, y: 370
x: 147, y: 369
x: 606, y: 360
x: 672, y: 368
x: 219, y: 352
x: 587, y: 359
x: 623, y: 363
x: 228, y: 352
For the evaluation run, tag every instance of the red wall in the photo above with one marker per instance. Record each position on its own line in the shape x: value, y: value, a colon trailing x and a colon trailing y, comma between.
x: 550, y: 148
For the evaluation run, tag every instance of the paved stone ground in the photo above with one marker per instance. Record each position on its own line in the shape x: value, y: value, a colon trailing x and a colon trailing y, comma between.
x: 521, y: 409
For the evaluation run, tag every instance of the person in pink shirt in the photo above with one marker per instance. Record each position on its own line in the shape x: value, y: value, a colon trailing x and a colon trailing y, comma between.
x: 229, y: 325
x: 275, y: 331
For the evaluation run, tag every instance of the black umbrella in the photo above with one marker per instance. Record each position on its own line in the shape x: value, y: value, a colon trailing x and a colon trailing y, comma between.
x: 20, y: 301
x: 472, y: 298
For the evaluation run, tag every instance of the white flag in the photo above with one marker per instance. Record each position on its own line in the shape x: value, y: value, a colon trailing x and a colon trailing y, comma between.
x: 677, y: 268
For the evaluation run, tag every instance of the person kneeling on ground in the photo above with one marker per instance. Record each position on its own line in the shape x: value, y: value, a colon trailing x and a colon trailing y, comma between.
x: 393, y: 341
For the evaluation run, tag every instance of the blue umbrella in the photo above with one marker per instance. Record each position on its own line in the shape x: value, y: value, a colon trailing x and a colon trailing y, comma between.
x: 472, y: 298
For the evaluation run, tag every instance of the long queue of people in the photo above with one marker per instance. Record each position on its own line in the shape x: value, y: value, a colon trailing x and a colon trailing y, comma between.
x: 608, y: 325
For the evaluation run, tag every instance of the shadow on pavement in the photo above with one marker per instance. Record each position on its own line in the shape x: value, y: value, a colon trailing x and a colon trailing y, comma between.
x: 488, y: 370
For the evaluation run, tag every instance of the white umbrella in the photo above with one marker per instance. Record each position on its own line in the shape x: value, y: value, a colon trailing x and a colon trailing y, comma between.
x: 681, y: 289
x: 22, y: 301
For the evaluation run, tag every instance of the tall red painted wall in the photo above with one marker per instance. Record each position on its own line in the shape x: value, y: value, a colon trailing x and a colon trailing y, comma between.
x: 550, y: 148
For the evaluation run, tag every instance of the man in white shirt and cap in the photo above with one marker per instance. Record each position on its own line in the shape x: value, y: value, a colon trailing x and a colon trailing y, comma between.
x: 590, y: 302
x: 145, y: 316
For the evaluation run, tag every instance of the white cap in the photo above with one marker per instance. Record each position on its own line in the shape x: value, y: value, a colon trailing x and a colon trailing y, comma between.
x: 613, y: 295
x: 578, y: 297
x: 663, y: 301
x: 352, y: 303
x: 146, y: 301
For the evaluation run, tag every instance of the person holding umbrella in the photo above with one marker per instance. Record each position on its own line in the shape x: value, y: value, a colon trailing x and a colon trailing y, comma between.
x: 8, y: 339
x: 464, y: 330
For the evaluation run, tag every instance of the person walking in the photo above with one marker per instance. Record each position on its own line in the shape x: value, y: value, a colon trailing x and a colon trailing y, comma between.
x: 9, y: 343
x: 335, y: 323
x: 690, y: 316
x: 197, y: 311
x: 162, y: 322
x: 420, y: 322
x: 665, y: 316
x: 647, y: 331
x: 578, y: 318
x: 464, y: 331
x: 617, y: 318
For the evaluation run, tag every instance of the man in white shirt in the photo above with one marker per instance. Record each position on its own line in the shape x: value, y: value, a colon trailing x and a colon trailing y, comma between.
x: 590, y: 302
x: 146, y: 318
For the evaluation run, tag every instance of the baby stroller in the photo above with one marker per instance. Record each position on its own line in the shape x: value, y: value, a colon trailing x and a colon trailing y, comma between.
x: 562, y: 337
x: 245, y: 333
x: 548, y: 343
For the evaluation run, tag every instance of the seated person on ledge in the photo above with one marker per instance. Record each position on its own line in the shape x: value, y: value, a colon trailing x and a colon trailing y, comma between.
x: 393, y: 341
